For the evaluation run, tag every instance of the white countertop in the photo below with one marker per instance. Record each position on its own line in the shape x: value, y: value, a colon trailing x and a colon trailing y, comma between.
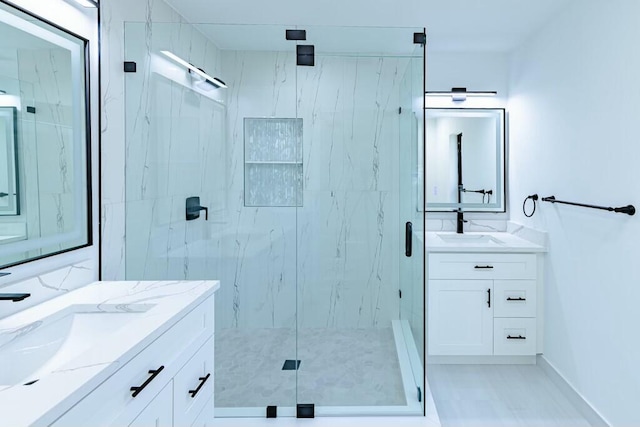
x: 501, y: 242
x: 44, y: 401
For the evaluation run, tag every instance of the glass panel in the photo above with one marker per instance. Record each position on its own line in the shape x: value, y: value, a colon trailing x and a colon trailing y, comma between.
x: 236, y: 149
x: 358, y: 171
x: 411, y: 208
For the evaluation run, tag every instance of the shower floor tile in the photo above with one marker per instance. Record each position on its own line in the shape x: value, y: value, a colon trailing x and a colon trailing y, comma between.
x: 342, y: 367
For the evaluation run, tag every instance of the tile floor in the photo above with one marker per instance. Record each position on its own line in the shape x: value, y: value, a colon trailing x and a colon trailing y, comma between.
x: 339, y: 367
x: 499, y: 396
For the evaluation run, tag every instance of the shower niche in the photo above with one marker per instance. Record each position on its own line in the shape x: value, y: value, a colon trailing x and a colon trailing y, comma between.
x: 272, y: 162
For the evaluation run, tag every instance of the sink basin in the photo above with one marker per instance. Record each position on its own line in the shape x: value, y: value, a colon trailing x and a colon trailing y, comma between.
x: 470, y: 239
x: 42, y: 346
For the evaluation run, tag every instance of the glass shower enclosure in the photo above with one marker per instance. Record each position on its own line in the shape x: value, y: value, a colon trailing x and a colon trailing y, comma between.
x: 303, y: 145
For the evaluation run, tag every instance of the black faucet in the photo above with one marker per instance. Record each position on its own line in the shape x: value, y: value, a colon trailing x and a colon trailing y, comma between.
x: 460, y: 221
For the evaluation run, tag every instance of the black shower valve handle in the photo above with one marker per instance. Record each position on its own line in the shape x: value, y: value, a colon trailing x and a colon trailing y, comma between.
x: 193, y: 208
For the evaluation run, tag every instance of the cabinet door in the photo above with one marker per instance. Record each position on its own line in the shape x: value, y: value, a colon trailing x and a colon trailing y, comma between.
x: 460, y: 317
x: 159, y: 412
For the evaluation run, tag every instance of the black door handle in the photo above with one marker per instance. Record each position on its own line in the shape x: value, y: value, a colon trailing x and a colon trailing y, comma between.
x: 154, y: 373
x: 202, y: 381
x: 408, y: 238
x: 489, y: 297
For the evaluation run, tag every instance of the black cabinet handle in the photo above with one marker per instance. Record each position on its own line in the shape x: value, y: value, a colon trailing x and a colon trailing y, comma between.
x: 489, y: 297
x: 516, y: 299
x: 483, y: 267
x: 154, y: 373
x: 519, y: 337
x: 202, y: 381
x: 408, y: 238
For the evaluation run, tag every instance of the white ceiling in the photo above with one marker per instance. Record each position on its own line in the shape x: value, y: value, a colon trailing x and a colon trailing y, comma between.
x: 452, y: 25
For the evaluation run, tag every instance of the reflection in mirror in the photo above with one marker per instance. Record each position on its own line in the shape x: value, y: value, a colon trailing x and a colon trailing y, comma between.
x: 465, y: 159
x: 43, y: 139
x: 9, y: 198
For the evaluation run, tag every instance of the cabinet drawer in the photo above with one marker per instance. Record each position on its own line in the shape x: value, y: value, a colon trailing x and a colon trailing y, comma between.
x: 159, y: 412
x: 514, y: 298
x: 482, y: 266
x: 193, y: 386
x: 205, y: 419
x: 514, y: 336
x: 112, y: 402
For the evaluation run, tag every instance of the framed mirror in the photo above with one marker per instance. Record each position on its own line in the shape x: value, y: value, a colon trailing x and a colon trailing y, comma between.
x: 9, y: 197
x: 465, y: 159
x: 44, y: 139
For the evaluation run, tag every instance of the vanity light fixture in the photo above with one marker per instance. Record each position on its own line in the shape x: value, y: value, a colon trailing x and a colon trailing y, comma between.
x: 459, y: 94
x: 87, y: 3
x: 194, y: 70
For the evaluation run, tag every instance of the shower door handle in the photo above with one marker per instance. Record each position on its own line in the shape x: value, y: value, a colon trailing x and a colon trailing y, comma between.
x: 408, y: 238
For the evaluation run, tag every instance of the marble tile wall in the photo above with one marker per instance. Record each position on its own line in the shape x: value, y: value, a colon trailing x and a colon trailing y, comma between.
x: 114, y: 14
x: 345, y: 238
x: 341, y: 246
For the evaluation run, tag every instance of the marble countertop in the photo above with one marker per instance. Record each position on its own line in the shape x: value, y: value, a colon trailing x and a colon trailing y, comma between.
x: 502, y: 242
x: 44, y: 401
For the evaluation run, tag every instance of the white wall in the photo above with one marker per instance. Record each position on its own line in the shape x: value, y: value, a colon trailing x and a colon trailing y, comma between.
x: 55, y: 275
x: 573, y: 116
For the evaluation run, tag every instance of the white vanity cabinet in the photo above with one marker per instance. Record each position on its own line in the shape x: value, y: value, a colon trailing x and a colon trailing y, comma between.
x: 482, y: 304
x: 172, y: 379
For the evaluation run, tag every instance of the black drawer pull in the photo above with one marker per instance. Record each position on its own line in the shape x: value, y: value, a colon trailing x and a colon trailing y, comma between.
x: 516, y: 299
x: 202, y: 381
x: 154, y: 373
x: 519, y: 337
x: 483, y: 267
x: 489, y: 297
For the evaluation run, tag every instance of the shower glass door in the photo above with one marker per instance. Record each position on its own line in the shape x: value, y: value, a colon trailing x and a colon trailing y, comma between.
x: 357, y: 284
x: 310, y: 176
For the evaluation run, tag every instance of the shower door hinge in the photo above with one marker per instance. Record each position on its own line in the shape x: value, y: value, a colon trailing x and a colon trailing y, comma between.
x: 420, y: 38
x: 305, y: 55
x: 400, y: 293
x: 130, y: 67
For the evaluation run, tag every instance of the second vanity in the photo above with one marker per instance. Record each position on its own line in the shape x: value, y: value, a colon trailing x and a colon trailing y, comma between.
x: 111, y: 353
x: 484, y: 298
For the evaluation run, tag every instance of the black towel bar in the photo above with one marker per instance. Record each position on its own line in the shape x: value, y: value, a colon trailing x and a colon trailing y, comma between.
x: 629, y: 209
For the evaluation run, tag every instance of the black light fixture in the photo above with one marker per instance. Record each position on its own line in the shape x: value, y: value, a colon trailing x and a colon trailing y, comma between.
x: 195, y: 71
x: 459, y: 94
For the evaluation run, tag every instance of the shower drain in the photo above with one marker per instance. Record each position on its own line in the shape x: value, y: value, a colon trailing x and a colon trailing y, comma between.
x: 291, y: 365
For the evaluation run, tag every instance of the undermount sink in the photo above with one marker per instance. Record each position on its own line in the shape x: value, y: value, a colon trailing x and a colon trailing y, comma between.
x: 470, y: 239
x: 47, y: 344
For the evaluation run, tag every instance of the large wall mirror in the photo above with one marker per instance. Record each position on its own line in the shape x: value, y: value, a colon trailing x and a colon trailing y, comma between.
x: 44, y: 172
x: 465, y: 159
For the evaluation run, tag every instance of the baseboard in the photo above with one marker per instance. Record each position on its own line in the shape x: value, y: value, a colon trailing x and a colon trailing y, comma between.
x: 576, y: 399
x: 481, y: 360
